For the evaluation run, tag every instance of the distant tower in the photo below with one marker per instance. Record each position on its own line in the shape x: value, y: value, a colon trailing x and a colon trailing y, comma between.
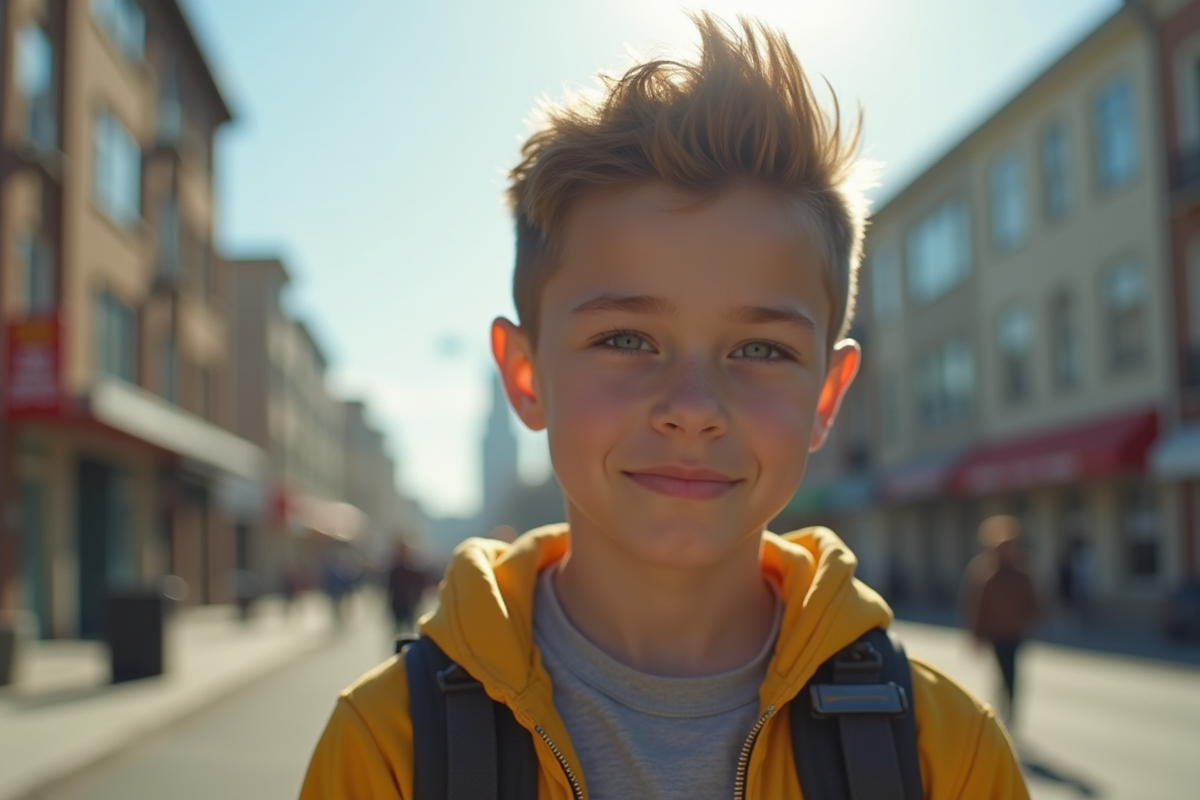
x: 499, y: 456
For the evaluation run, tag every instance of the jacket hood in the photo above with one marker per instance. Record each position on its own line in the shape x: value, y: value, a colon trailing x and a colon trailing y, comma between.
x: 484, y: 619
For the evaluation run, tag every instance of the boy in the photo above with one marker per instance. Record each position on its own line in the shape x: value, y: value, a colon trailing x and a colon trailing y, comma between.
x: 685, y: 272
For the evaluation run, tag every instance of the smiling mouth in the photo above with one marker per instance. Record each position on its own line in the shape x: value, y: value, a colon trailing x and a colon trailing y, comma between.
x: 685, y: 484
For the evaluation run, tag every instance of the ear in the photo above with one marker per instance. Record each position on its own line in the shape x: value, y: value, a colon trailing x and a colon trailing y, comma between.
x: 843, y: 366
x: 514, y: 358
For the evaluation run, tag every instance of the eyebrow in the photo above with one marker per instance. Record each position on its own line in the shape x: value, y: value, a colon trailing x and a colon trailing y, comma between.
x: 758, y: 315
x: 633, y: 304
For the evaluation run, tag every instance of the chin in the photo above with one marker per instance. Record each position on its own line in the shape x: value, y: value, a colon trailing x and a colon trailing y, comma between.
x: 680, y: 543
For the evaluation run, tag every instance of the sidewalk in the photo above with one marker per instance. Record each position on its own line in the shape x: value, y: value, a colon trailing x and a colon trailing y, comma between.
x: 1147, y: 644
x: 61, y: 715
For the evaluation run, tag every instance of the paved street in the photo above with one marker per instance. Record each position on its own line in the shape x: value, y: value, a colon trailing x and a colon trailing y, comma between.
x: 252, y: 744
x: 1091, y: 725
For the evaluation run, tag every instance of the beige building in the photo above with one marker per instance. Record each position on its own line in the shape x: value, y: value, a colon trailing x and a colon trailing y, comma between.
x: 369, y: 480
x: 283, y: 405
x: 118, y: 465
x: 1019, y: 353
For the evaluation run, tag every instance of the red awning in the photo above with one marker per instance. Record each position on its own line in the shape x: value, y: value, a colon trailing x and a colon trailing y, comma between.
x: 1105, y: 447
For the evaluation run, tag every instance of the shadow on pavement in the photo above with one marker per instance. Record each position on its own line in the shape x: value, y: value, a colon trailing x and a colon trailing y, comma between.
x: 1144, y: 644
x: 1041, y: 771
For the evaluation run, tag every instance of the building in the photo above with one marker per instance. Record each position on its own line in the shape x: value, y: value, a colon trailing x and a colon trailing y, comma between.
x: 117, y: 464
x: 284, y: 405
x: 1019, y: 356
x: 369, y: 481
x: 1177, y: 456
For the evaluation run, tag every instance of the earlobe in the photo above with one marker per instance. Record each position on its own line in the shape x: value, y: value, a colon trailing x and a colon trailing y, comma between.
x: 514, y: 359
x: 844, y: 361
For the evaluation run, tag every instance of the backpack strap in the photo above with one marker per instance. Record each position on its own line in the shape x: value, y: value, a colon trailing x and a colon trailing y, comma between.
x: 465, y: 745
x: 856, y: 712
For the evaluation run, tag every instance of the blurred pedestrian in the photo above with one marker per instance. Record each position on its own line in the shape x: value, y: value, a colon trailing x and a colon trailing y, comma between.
x: 406, y: 586
x: 1083, y: 579
x: 337, y: 580
x: 1000, y: 601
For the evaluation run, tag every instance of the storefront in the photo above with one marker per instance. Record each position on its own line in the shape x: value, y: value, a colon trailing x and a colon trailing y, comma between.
x: 113, y: 490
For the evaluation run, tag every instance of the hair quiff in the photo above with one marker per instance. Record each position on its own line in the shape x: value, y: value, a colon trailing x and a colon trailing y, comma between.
x: 744, y: 112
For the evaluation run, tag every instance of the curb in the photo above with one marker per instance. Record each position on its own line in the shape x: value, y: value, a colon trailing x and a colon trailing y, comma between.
x: 45, y: 787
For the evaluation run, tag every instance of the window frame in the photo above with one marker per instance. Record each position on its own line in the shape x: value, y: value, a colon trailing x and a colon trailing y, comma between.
x: 124, y: 25
x: 1130, y: 360
x: 1008, y: 194
x: 116, y: 338
x: 1104, y: 181
x: 1074, y: 340
x: 1016, y: 357
x: 1052, y: 177
x: 928, y: 282
x: 113, y: 144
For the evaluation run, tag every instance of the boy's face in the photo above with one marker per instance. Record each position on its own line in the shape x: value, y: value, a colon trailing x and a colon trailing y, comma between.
x: 682, y: 368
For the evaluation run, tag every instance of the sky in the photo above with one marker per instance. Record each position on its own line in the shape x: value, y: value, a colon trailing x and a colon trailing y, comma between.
x: 371, y: 140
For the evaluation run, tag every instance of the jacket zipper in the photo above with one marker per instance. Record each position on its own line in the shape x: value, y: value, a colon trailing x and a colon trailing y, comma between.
x: 576, y: 790
x: 739, y: 784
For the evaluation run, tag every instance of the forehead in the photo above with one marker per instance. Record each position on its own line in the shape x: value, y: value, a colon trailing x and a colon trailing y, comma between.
x: 744, y: 245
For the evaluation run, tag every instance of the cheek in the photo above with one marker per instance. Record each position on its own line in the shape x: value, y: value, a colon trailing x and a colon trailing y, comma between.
x: 587, y: 413
x: 778, y: 427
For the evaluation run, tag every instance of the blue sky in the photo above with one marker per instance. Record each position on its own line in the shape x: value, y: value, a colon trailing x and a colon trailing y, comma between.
x: 372, y: 137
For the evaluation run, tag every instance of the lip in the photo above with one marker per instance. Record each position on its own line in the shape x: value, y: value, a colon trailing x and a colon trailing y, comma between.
x: 683, y: 482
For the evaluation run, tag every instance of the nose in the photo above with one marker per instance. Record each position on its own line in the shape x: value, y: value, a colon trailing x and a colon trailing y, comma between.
x: 690, y: 403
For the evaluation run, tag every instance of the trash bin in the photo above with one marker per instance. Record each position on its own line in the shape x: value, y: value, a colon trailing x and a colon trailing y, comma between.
x: 133, y: 626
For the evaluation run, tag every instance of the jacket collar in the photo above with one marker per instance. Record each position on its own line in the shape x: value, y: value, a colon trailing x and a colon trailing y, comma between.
x: 484, y: 619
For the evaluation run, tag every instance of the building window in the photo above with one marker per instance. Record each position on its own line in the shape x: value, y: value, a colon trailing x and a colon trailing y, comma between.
x: 116, y: 171
x: 40, y: 294
x: 1007, y: 184
x: 35, y: 82
x: 168, y: 238
x: 945, y: 384
x: 1056, y: 172
x: 1066, y: 348
x: 124, y: 23
x: 1125, y: 309
x: 1014, y: 334
x: 886, y: 295
x: 168, y: 370
x: 1139, y: 521
x: 170, y: 109
x: 939, y: 252
x: 116, y: 338
x: 1115, y: 134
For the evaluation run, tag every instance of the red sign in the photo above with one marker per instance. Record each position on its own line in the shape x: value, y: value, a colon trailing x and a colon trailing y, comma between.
x: 33, y: 384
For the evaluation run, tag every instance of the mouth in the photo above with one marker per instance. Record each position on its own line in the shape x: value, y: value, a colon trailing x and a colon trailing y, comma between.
x: 680, y: 482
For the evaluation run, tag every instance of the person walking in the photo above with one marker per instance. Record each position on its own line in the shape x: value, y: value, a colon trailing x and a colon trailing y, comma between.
x: 1001, y: 602
x: 406, y: 586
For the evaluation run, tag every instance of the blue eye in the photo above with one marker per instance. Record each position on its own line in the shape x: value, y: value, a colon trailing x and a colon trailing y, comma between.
x: 758, y: 351
x: 626, y: 341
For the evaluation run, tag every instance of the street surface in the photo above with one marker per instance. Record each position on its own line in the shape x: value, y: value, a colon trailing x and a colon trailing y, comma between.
x: 1089, y: 725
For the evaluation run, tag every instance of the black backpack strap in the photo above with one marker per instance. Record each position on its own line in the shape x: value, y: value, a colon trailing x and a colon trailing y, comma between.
x: 465, y: 745
x: 856, y: 713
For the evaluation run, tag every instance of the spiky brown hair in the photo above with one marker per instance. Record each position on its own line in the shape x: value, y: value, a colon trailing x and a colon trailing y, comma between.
x: 744, y: 112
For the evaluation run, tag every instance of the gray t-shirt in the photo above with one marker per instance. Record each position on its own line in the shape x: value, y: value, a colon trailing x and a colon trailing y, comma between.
x: 640, y: 735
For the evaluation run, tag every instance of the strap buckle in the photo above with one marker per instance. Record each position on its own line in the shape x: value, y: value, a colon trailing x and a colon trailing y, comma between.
x: 456, y: 679
x: 859, y: 663
x: 858, y: 699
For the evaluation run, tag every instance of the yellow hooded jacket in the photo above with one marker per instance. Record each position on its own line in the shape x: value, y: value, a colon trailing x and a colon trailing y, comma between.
x: 485, y: 623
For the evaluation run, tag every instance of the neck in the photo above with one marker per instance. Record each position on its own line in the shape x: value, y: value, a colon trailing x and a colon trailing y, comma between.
x: 663, y: 620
